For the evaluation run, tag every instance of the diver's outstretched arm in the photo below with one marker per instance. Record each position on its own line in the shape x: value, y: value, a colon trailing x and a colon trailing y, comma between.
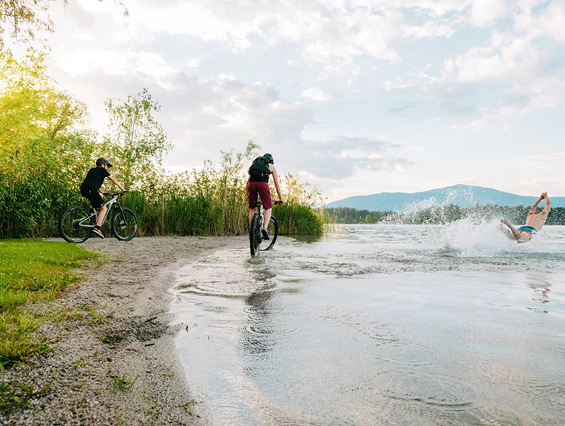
x: 547, y: 203
x: 535, y: 206
x: 514, y: 231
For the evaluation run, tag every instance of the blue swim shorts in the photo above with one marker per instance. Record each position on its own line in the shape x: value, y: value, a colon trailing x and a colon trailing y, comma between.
x: 529, y: 229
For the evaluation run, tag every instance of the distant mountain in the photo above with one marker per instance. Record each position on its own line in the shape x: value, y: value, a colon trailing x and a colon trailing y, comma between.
x: 461, y: 195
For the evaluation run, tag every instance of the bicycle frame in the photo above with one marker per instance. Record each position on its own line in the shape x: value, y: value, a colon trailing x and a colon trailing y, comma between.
x: 77, y: 222
x: 255, y: 226
x: 260, y: 212
x: 94, y: 215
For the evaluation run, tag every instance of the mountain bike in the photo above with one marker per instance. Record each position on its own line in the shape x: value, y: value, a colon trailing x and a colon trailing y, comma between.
x: 255, y: 237
x: 76, y: 223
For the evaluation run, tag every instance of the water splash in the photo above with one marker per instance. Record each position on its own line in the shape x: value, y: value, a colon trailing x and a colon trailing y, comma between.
x: 476, y: 237
x: 467, y: 232
x: 453, y: 205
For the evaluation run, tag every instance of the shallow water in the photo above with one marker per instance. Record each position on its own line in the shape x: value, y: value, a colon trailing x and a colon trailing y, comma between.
x: 379, y: 324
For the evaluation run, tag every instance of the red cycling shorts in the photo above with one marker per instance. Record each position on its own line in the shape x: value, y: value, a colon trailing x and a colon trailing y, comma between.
x: 261, y: 188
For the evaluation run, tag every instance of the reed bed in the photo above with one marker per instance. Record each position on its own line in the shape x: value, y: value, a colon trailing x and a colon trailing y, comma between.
x: 211, y: 201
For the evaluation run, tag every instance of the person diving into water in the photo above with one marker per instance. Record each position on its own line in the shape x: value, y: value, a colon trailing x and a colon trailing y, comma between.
x: 534, y: 221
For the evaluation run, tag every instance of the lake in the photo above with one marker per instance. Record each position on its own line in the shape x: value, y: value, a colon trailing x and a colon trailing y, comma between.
x: 379, y: 325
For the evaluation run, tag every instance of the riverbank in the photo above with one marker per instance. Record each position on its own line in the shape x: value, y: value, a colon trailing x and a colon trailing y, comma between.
x: 113, y: 359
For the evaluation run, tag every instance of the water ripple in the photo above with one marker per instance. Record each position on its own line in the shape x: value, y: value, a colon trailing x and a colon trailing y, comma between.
x: 426, y: 389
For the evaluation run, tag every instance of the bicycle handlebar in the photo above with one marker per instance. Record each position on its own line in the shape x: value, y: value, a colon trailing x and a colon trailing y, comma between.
x: 112, y: 194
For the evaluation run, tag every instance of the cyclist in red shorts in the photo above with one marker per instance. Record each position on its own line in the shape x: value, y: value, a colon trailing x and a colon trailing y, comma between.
x: 258, y: 183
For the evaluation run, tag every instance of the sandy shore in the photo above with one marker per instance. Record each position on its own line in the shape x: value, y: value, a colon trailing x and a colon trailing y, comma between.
x: 117, y: 326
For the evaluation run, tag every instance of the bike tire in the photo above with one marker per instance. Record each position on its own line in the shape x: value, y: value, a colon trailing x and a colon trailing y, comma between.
x: 254, y: 229
x: 273, y: 233
x: 70, y: 224
x: 124, y: 224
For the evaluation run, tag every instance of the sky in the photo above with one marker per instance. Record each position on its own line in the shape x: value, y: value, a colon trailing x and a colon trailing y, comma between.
x: 356, y: 97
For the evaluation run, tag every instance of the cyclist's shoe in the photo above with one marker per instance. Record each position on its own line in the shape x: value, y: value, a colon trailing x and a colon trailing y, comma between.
x: 265, y: 233
x: 98, y: 233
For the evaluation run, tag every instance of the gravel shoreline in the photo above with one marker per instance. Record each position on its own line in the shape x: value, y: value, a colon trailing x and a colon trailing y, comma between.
x: 117, y: 329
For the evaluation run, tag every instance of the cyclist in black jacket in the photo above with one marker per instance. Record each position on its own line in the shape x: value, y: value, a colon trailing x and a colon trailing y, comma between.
x: 90, y: 188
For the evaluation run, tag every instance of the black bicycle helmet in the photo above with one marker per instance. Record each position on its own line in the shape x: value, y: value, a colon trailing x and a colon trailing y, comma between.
x: 101, y: 161
x: 269, y: 158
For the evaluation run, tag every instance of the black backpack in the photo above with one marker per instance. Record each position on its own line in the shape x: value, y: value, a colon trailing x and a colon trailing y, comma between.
x: 259, y: 170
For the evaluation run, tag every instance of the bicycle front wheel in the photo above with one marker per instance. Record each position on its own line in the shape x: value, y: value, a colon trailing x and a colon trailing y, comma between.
x: 76, y: 224
x: 124, y: 224
x: 254, y: 235
x: 273, y: 233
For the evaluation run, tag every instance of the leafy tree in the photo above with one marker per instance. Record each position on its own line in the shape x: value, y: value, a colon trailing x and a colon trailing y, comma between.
x: 43, y: 147
x: 23, y: 19
x: 136, y: 142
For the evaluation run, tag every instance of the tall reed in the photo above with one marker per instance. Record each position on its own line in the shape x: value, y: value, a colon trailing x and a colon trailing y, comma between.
x: 295, y: 219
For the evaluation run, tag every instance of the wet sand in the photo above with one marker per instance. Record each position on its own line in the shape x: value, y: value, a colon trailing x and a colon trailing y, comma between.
x: 117, y: 325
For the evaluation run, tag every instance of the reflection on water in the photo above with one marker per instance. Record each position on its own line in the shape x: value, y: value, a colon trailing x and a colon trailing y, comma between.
x: 373, y: 325
x: 307, y: 238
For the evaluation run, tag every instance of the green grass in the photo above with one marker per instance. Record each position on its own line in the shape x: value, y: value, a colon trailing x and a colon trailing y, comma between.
x: 16, y: 395
x: 31, y: 271
x: 121, y: 383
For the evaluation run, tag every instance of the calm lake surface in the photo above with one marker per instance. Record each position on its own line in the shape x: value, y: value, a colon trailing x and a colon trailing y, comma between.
x: 379, y: 325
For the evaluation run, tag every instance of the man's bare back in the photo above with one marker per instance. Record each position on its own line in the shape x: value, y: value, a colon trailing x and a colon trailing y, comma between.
x: 534, y: 221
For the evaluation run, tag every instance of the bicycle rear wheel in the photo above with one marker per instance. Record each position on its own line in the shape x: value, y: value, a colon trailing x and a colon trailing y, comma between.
x: 124, y: 224
x: 76, y: 224
x: 273, y: 233
x: 254, y: 235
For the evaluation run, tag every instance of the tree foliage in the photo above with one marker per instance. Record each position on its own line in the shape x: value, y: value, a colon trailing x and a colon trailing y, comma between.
x: 137, y: 142
x: 351, y: 215
x: 46, y: 150
x: 300, y: 192
x: 42, y: 144
x: 22, y: 19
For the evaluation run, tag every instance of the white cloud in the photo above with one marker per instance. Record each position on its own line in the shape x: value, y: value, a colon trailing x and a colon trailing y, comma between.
x: 486, y: 12
x: 153, y: 65
x: 226, y: 72
x: 550, y: 23
x: 551, y: 185
x: 396, y: 83
x: 322, y: 30
x: 83, y: 61
x: 556, y: 159
x: 193, y: 63
x: 315, y: 94
x: 344, y: 156
x: 504, y: 57
x: 429, y: 30
x: 521, y: 62
x: 434, y: 7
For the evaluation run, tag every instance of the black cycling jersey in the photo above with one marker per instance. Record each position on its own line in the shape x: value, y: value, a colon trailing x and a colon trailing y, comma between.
x: 94, y: 178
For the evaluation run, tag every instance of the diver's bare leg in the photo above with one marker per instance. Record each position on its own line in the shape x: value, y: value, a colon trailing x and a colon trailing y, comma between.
x: 514, y: 231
